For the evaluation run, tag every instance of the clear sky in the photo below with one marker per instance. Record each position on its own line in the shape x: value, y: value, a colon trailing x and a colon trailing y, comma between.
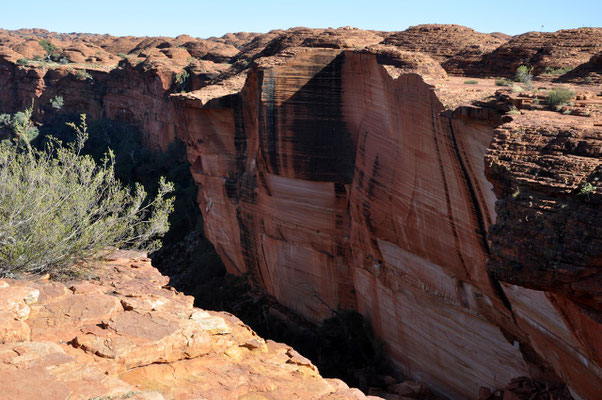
x: 215, y: 17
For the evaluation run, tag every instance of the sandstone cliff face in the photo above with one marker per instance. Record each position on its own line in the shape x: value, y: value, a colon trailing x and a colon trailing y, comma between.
x: 134, y: 89
x: 129, y: 95
x: 126, y: 334
x: 335, y: 179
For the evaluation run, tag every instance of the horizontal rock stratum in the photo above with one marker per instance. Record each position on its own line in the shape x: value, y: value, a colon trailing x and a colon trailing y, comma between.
x: 126, y: 334
x: 361, y: 170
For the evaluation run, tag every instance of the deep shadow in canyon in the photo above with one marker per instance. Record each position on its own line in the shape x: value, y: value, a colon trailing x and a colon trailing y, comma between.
x: 343, y: 346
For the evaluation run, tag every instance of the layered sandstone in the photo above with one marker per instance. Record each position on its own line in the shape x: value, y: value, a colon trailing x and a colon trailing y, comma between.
x: 356, y: 179
x: 561, y: 49
x: 456, y: 47
x: 126, y: 334
x: 130, y: 78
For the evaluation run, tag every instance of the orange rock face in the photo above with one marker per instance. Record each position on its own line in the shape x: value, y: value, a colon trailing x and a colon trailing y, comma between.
x: 128, y: 335
x: 130, y: 78
x: 346, y: 179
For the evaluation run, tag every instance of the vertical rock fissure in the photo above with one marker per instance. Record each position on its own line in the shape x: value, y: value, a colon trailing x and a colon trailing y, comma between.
x: 446, y: 185
x: 477, y: 213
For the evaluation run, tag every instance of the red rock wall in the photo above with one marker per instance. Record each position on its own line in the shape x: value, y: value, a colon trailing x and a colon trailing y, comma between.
x: 335, y: 185
x: 130, y: 95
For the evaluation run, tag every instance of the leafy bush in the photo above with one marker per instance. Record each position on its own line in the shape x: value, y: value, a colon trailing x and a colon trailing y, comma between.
x: 559, y: 96
x: 20, y: 124
x: 59, y: 207
x: 135, y: 163
x: 48, y: 47
x: 57, y: 102
x: 122, y: 55
x: 587, y: 189
x: 513, y: 110
x: 22, y: 61
x: 181, y: 80
x: 557, y: 71
x: 502, y: 82
x: 524, y: 75
x: 38, y: 57
x: 471, y: 82
x: 82, y: 75
x: 516, y: 89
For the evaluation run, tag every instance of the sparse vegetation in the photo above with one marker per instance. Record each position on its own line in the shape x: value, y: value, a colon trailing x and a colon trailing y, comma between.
x: 82, y: 75
x: 559, y: 96
x: 122, y: 55
x: 20, y: 123
x: 181, y: 80
x: 22, y: 61
x: 57, y: 102
x: 471, y: 82
x: 59, y: 207
x: 587, y: 189
x: 513, y: 110
x: 524, y: 75
x: 49, y: 48
x: 503, y: 82
x: 516, y: 89
x: 557, y: 71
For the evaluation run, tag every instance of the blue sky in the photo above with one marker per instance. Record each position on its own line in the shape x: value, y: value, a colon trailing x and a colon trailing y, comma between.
x: 217, y: 17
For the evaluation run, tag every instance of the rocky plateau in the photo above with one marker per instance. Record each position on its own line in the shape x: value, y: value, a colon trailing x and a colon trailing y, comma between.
x: 381, y: 172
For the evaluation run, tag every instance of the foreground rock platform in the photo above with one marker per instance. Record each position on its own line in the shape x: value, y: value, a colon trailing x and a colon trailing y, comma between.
x: 126, y: 334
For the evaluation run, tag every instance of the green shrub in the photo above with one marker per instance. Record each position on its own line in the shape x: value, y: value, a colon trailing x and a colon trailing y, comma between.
x: 135, y: 163
x: 82, y: 75
x: 557, y: 71
x: 59, y: 207
x: 559, y: 96
x: 48, y: 47
x: 513, y: 110
x: 471, y: 82
x: 181, y: 80
x: 516, y: 89
x: 57, y: 102
x: 502, y: 82
x: 122, y: 55
x: 524, y: 75
x: 587, y: 189
x: 22, y: 61
x: 20, y: 123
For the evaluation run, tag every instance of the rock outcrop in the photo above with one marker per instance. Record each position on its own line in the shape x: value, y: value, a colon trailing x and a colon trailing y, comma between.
x: 356, y: 179
x: 541, y: 50
x: 128, y: 79
x: 126, y: 334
